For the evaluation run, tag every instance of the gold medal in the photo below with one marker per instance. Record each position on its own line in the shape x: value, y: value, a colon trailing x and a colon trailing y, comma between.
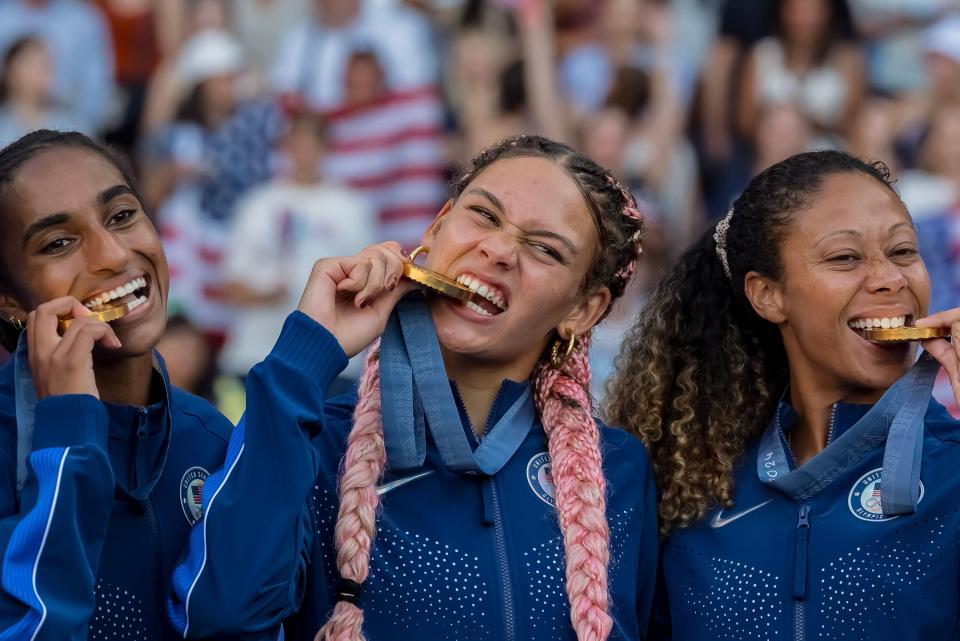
x: 106, y: 315
x: 904, y: 334
x: 437, y: 282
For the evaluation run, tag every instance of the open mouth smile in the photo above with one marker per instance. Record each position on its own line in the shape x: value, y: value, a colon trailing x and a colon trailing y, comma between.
x: 492, y: 301
x: 133, y: 293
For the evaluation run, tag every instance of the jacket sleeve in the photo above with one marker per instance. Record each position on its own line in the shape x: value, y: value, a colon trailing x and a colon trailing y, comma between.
x: 52, y: 537
x: 245, y: 567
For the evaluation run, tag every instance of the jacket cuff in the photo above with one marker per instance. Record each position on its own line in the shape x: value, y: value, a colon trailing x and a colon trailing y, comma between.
x: 308, y: 346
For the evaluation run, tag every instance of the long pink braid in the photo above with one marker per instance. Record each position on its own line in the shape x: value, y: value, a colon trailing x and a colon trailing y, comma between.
x: 574, y: 442
x: 363, y: 466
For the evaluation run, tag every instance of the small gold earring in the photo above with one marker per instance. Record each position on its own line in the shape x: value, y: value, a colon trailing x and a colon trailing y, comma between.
x: 16, y: 322
x: 556, y: 359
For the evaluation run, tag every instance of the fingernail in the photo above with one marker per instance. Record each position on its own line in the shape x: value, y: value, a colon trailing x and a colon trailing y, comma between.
x: 393, y: 283
x: 363, y: 303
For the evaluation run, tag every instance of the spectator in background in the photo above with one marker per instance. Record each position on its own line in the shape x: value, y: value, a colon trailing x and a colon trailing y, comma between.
x: 279, y: 231
x: 197, y: 167
x: 313, y: 56
x: 893, y: 30
x: 806, y: 65
x: 782, y: 131
x: 77, y: 37
x: 135, y: 27
x: 26, y: 75
x: 388, y: 145
x: 261, y: 25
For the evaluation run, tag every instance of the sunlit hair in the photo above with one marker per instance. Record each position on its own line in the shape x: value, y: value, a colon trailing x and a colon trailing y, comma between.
x: 700, y: 373
x: 562, y: 400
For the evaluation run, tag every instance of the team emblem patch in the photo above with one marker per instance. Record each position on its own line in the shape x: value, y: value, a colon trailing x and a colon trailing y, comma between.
x: 865, y: 500
x: 191, y: 493
x: 540, y: 478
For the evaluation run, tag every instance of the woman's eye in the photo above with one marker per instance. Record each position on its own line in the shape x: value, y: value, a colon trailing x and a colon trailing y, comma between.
x: 844, y: 258
x: 485, y: 213
x: 548, y: 250
x: 56, y: 245
x: 122, y: 217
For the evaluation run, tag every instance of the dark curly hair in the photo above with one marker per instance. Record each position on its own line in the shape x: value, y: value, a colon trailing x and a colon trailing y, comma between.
x: 700, y: 373
x: 12, y: 157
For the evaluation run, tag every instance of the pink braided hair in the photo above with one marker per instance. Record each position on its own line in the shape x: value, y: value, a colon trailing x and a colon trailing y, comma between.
x: 631, y: 211
x: 573, y: 440
x: 363, y: 465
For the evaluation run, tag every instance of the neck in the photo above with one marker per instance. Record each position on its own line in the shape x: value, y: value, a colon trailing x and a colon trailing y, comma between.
x: 479, y: 383
x: 125, y: 380
x: 813, y: 398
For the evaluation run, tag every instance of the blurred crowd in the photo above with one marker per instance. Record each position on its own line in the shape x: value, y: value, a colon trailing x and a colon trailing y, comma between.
x: 269, y: 133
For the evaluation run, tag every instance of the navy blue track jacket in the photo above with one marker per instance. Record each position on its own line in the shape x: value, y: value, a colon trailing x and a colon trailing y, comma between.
x: 111, y: 494
x: 457, y: 557
x: 831, y: 568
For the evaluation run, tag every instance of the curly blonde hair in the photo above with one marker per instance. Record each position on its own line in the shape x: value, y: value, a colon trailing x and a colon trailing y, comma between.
x: 700, y: 373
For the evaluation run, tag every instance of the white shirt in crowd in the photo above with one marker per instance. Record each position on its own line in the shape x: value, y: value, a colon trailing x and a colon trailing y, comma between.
x: 280, y: 230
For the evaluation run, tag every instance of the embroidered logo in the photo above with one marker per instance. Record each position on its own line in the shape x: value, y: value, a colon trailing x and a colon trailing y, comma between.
x: 540, y: 479
x: 865, y: 500
x: 191, y: 493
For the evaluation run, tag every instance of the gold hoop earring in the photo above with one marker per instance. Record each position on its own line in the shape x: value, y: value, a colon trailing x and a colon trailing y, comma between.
x: 556, y: 359
x: 422, y: 249
x: 16, y: 322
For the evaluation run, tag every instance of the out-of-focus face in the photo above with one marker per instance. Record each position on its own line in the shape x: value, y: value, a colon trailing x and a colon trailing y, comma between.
x: 522, y: 235
x: 605, y: 137
x: 30, y: 73
x: 364, y: 81
x: 850, y: 260
x: 782, y: 132
x: 805, y: 21
x: 944, y: 74
x: 941, y: 152
x: 73, y: 227
x: 219, y: 93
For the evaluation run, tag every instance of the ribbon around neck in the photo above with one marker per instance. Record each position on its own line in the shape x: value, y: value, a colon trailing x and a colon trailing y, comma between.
x: 415, y: 397
x: 897, y: 418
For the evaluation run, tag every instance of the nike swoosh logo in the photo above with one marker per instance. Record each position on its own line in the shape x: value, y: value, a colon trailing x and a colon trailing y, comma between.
x: 719, y: 521
x: 392, y: 485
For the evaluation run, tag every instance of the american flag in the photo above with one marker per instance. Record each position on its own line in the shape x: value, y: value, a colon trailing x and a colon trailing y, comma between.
x: 393, y: 152
x: 196, y: 493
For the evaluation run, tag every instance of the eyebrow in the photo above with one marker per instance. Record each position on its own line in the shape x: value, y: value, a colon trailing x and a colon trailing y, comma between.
x: 44, y: 223
x: 529, y: 232
x: 851, y: 232
x: 61, y: 217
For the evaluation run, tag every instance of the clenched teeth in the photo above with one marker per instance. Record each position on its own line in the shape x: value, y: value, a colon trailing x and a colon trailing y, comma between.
x: 105, y: 297
x: 478, y: 309
x: 878, y: 323
x: 486, y: 290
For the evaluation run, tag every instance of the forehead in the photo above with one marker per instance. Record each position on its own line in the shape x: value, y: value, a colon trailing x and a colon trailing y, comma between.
x: 536, y: 191
x: 60, y: 180
x: 849, y: 201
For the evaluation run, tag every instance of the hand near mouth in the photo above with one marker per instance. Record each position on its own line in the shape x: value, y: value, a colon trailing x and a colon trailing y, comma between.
x: 64, y: 364
x: 946, y: 352
x: 352, y: 296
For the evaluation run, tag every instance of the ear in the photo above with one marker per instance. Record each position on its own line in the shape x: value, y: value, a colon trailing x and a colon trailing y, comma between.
x: 431, y: 232
x: 765, y: 296
x: 586, y: 314
x: 9, y: 307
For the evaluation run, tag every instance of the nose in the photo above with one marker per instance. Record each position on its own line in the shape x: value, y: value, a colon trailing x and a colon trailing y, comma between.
x: 885, y: 276
x: 106, y: 252
x: 500, y: 249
